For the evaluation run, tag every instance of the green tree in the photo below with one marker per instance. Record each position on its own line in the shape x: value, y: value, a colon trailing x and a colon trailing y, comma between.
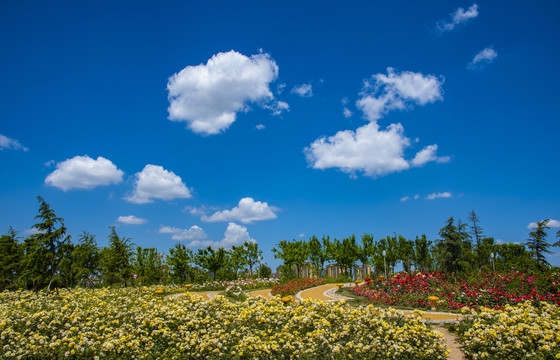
x: 148, y: 266
x: 86, y: 260
x: 451, y: 247
x: 345, y: 254
x: 264, y: 271
x: 117, y: 260
x: 538, y: 245
x: 252, y: 254
x: 11, y: 253
x: 238, y: 256
x: 406, y: 252
x: 284, y: 251
x: 476, y: 232
x: 366, y: 250
x: 319, y: 253
x: 422, y: 253
x: 49, y: 242
x: 179, y: 261
x: 211, y: 260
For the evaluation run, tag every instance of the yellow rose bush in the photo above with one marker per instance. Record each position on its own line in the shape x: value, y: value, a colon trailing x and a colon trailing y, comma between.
x: 516, y: 332
x: 135, y: 323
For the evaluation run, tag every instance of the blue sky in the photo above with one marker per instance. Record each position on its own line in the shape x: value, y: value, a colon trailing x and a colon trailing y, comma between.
x: 218, y: 121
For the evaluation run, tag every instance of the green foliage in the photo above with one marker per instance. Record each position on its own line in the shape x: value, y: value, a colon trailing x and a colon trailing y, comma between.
x: 86, y: 259
x: 179, y: 262
x: 11, y: 253
x: 116, y: 264
x: 148, y: 266
x: 538, y: 245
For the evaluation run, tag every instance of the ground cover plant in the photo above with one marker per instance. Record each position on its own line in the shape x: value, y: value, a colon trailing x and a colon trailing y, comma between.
x: 295, y: 286
x: 245, y: 284
x: 137, y: 323
x: 489, y: 289
x: 517, y: 331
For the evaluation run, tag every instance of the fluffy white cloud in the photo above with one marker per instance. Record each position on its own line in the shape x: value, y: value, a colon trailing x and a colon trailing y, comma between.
x: 485, y: 56
x: 154, y: 182
x: 370, y: 150
x: 551, y: 223
x: 247, y: 211
x: 208, y: 96
x: 427, y: 155
x: 83, y: 172
x: 131, y: 220
x: 396, y: 91
x: 405, y: 198
x: 8, y: 143
x: 260, y: 127
x: 193, y: 233
x: 234, y: 235
x: 303, y: 90
x: 459, y: 16
x: 439, y: 195
x: 346, y: 112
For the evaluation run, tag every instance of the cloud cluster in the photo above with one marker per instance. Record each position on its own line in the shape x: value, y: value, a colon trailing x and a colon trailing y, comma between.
x: 459, y: 16
x: 8, y: 143
x: 441, y: 195
x: 83, y: 172
x: 208, y: 96
x: 486, y: 56
x: 154, y: 182
x: 131, y: 220
x: 247, y: 211
x: 193, y: 233
x: 397, y: 91
x: 235, y: 235
x: 370, y: 149
x: 551, y: 223
x: 303, y: 90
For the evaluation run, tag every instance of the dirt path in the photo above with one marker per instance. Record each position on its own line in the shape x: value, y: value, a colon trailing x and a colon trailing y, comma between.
x: 455, y: 352
x: 265, y: 293
x: 322, y: 292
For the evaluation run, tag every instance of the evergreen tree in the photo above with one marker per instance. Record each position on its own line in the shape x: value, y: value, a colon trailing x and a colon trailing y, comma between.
x: 86, y: 260
x: 476, y: 232
x: 11, y: 253
x: 538, y: 245
x: 117, y: 260
x: 48, y: 244
x: 451, y: 247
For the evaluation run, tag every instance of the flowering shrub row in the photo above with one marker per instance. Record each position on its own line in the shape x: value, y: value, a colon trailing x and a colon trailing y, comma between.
x: 136, y: 323
x: 516, y: 332
x: 295, y: 286
x: 246, y: 284
x: 490, y: 289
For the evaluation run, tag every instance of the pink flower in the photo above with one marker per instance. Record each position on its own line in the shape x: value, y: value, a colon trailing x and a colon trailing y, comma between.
x: 134, y: 276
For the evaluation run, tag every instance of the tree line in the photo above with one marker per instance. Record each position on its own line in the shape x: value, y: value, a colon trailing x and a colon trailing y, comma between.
x: 460, y: 248
x: 49, y: 259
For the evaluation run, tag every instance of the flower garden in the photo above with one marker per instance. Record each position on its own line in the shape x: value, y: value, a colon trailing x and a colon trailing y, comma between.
x: 295, y: 286
x: 493, y: 290
x: 136, y: 323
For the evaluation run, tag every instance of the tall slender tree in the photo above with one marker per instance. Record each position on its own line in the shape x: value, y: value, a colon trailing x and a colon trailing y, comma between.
x: 11, y: 253
x: 538, y: 245
x: 86, y: 260
x: 117, y: 259
x: 476, y: 232
x: 179, y: 260
x: 51, y: 239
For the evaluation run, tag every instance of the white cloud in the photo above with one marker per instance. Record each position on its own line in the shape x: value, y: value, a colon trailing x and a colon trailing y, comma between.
x: 347, y: 113
x: 416, y: 197
x: 551, y: 223
x: 208, y: 96
x: 131, y: 220
x: 369, y: 150
x: 83, y: 172
x: 485, y: 56
x: 439, y: 195
x: 459, y: 16
x: 260, y: 127
x: 154, y: 182
x: 301, y: 235
x: 427, y: 155
x: 247, y: 211
x: 8, y: 143
x: 33, y: 231
x: 234, y: 235
x: 405, y: 198
x: 303, y: 90
x: 500, y: 241
x: 193, y: 233
x: 397, y: 91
